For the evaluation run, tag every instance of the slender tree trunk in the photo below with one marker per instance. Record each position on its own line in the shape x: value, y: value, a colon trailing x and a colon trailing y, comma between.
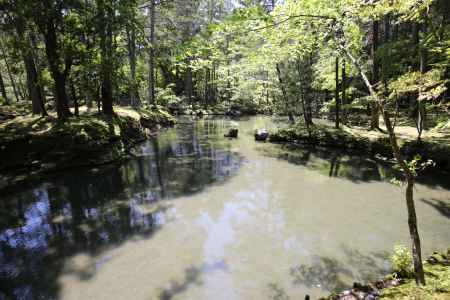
x: 421, y: 110
x: 344, y: 88
x: 3, y: 90
x: 74, y: 98
x: 106, y: 45
x: 8, y: 69
x: 283, y: 91
x: 336, y: 94
x: 151, y: 61
x: 267, y: 88
x: 207, y: 96
x: 412, y: 218
x: 375, y: 113
x: 131, y: 36
x: 188, y: 84
x: 303, y: 95
x: 228, y: 87
x: 33, y: 84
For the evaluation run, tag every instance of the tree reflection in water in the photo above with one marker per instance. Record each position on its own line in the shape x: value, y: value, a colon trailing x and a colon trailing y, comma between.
x: 87, y: 211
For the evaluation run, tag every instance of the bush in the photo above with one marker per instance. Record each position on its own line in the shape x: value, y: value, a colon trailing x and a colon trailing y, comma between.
x: 401, y: 261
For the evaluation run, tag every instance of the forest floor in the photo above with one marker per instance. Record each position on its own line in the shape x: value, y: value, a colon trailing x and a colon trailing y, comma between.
x: 30, y: 145
x: 394, y: 286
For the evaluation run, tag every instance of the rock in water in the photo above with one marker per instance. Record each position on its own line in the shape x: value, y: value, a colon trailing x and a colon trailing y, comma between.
x: 232, y: 133
x: 261, y: 134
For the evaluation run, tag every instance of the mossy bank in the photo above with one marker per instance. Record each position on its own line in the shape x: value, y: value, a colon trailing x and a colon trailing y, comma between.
x: 325, y: 136
x: 400, y: 287
x: 32, y: 145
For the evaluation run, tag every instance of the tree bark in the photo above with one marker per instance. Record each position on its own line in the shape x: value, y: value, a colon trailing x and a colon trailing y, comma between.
x: 131, y: 37
x: 3, y: 90
x: 74, y: 98
x: 106, y: 47
x: 375, y: 113
x: 283, y: 91
x: 151, y: 61
x: 35, y: 91
x: 303, y: 95
x: 8, y: 69
x: 344, y: 88
x: 59, y: 76
x: 412, y: 218
x: 33, y: 85
x: 206, y: 94
x: 336, y: 94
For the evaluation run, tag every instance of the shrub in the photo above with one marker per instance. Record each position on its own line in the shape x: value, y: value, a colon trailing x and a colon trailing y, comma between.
x: 401, y: 261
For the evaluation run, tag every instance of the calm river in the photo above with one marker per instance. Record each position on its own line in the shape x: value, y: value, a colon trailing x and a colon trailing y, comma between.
x: 198, y: 216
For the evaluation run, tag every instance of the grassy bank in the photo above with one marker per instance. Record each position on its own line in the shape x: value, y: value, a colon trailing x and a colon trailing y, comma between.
x: 355, y: 139
x: 30, y: 145
x: 399, y: 287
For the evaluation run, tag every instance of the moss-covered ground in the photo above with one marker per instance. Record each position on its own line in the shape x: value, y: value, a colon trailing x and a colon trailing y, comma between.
x: 435, y: 147
x: 32, y: 144
x: 437, y: 288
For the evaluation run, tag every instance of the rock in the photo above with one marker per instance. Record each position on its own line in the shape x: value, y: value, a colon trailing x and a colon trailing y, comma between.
x: 436, y: 258
x: 232, y: 133
x: 261, y: 134
x: 233, y: 113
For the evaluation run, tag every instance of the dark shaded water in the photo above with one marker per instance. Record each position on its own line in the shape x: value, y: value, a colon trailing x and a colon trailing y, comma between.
x: 197, y: 216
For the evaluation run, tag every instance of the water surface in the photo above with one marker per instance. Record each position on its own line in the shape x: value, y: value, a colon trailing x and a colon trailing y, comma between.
x: 197, y: 216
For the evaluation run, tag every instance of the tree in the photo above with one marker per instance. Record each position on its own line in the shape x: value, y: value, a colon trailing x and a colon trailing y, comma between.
x: 50, y: 20
x: 375, y: 114
x: 338, y: 101
x: 3, y: 90
x: 105, y: 26
x: 151, y: 57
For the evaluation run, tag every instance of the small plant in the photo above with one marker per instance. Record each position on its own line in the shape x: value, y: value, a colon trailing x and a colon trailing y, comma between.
x: 401, y: 261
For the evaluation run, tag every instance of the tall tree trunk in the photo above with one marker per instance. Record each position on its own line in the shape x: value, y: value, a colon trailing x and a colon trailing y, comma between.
x: 131, y: 37
x: 35, y: 91
x: 283, y: 91
x: 33, y: 85
x: 188, y: 85
x: 375, y: 113
x: 344, y: 96
x: 106, y: 45
x: 412, y: 218
x: 228, y: 87
x: 421, y: 110
x: 59, y: 76
x: 206, y: 94
x: 8, y: 69
x: 74, y: 98
x: 336, y: 94
x: 3, y: 90
x: 303, y: 94
x: 151, y: 61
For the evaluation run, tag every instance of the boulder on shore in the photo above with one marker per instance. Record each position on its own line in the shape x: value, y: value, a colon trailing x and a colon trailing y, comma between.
x: 233, y: 113
x: 261, y: 134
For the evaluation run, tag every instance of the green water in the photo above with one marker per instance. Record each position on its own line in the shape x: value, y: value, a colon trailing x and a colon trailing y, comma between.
x: 198, y: 216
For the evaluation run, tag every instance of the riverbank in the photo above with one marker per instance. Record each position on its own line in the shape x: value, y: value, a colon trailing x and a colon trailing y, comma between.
x: 394, y: 286
x: 31, y: 145
x: 362, y: 141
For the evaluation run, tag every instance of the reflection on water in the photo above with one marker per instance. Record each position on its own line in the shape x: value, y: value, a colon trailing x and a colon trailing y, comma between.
x: 197, y: 216
x: 89, y: 210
